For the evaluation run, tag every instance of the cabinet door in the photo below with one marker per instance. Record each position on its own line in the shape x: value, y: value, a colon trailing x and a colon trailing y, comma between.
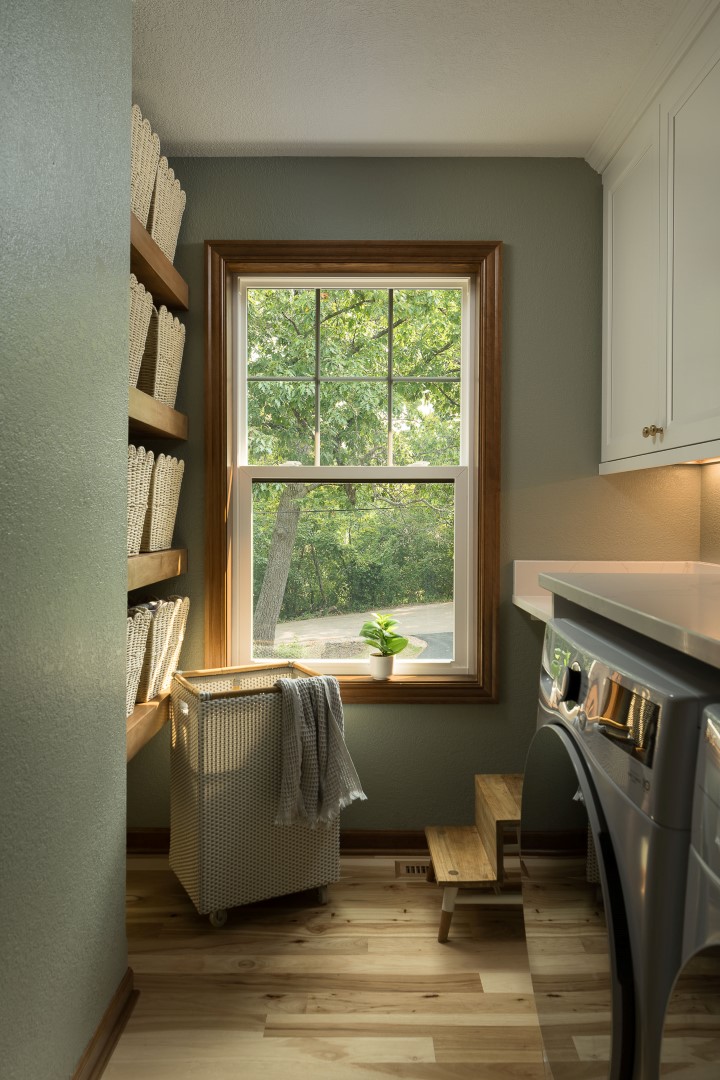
x: 693, y: 327
x: 632, y: 379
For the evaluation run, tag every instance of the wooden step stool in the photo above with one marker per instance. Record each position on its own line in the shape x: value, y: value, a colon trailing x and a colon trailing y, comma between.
x: 468, y: 857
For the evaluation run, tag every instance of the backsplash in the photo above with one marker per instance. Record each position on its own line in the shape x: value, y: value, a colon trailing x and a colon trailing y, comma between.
x: 710, y: 513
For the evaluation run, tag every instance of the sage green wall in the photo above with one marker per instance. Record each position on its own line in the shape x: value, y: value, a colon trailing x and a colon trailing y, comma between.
x: 417, y: 763
x: 64, y: 264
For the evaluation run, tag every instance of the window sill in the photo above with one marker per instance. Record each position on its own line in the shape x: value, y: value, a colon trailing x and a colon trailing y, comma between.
x: 413, y: 690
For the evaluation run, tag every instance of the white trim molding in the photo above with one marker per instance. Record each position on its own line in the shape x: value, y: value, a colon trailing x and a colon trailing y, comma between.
x: 686, y: 27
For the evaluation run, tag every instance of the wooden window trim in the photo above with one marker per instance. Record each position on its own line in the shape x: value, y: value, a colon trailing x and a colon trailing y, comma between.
x: 481, y: 260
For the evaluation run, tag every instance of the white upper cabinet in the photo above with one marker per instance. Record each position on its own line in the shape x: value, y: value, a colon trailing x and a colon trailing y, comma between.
x: 632, y: 382
x: 693, y: 249
x: 661, y: 294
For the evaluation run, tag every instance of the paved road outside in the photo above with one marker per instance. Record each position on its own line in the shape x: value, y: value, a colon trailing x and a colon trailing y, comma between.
x: 439, y: 647
x: 415, y: 620
x: 432, y: 623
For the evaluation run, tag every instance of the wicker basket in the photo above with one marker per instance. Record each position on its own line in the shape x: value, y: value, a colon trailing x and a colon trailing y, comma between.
x: 141, y: 308
x: 140, y: 467
x: 138, y: 625
x: 166, y: 209
x: 225, y: 769
x: 167, y: 620
x: 165, y: 484
x: 160, y: 369
x: 144, y: 157
x: 177, y: 636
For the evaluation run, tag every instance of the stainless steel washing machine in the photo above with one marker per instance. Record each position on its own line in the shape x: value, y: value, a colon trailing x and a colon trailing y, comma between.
x: 605, y: 834
x: 691, y: 1038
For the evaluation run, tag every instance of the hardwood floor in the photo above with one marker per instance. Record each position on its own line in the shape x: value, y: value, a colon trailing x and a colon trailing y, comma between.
x: 357, y: 990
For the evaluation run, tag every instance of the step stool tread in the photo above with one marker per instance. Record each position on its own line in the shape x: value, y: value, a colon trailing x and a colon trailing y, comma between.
x: 502, y: 794
x: 459, y: 856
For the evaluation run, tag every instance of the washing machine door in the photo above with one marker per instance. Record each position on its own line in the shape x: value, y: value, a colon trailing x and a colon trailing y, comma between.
x: 577, y: 938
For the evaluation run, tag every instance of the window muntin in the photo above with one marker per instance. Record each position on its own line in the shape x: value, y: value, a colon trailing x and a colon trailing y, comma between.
x: 378, y: 365
x: 405, y: 417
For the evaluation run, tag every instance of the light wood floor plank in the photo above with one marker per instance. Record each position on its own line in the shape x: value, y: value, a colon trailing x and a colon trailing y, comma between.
x: 232, y: 959
x: 357, y: 990
x: 329, y: 1025
x: 420, y: 1004
x: 226, y: 1045
x: 507, y: 982
x: 198, y: 1069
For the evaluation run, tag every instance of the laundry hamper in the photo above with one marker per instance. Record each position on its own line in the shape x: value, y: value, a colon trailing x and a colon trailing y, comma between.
x: 225, y: 770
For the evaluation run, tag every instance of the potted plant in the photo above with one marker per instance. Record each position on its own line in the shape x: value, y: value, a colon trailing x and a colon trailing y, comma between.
x: 379, y: 634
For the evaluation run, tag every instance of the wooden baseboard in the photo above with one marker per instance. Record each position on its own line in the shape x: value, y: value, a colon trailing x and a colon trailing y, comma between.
x: 97, y: 1052
x: 382, y: 841
x: 156, y: 841
x: 148, y: 841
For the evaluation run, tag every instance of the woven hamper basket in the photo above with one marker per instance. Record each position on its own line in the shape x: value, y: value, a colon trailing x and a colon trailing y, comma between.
x: 140, y: 467
x: 160, y: 368
x: 165, y: 484
x: 167, y: 620
x: 138, y: 625
x: 166, y: 209
x: 144, y: 157
x: 141, y: 308
x: 225, y: 771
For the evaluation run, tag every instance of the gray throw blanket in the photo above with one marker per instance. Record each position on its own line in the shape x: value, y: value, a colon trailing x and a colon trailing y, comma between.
x: 318, y: 776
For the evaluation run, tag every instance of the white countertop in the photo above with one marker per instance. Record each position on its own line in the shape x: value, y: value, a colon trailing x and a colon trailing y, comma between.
x: 679, y: 610
x: 675, y: 604
x: 531, y: 596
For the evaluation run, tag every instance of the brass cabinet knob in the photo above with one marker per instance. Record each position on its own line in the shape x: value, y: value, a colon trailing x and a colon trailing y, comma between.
x: 652, y: 430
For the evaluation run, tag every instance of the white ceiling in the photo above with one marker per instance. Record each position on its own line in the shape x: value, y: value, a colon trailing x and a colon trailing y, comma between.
x: 389, y: 77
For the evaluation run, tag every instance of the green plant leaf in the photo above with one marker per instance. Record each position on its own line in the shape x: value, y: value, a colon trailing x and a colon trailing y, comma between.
x: 395, y: 644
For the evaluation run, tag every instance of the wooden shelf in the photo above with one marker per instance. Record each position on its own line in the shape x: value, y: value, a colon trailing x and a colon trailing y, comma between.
x: 145, y: 721
x: 152, y: 418
x: 154, y: 566
x: 147, y: 416
x: 152, y: 267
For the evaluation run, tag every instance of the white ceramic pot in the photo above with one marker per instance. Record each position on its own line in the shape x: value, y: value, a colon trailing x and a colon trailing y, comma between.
x: 381, y: 667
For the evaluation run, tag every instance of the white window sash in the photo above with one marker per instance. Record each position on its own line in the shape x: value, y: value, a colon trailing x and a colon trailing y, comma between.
x: 462, y: 476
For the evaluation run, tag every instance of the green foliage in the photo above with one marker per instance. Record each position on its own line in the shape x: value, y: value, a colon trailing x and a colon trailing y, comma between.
x: 353, y: 336
x: 378, y: 632
x: 358, y: 546
x: 289, y: 650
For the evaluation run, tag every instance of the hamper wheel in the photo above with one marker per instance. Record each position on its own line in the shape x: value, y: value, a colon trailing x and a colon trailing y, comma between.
x: 218, y: 918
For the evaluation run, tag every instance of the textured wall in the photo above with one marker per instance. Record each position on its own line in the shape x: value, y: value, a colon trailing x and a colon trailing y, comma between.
x: 710, y: 514
x: 64, y: 264
x: 417, y: 763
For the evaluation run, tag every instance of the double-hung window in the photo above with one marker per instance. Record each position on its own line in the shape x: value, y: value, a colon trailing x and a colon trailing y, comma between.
x: 360, y: 474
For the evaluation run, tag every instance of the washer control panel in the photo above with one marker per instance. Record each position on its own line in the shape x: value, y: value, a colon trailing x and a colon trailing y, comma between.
x: 635, y: 708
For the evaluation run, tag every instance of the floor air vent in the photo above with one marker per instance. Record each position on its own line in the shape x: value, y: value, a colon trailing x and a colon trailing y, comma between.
x: 415, y: 868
